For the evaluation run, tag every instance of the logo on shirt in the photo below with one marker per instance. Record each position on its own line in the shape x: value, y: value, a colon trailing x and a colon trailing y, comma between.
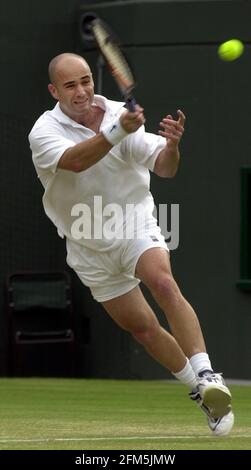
x: 113, y: 127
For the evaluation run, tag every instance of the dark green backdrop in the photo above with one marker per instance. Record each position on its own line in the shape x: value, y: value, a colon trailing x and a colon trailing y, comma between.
x: 172, y: 46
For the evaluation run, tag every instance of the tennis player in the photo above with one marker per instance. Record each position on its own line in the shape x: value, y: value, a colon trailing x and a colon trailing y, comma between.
x: 94, y: 158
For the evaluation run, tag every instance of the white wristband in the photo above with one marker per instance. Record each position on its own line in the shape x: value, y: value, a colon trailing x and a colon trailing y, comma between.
x: 114, y: 132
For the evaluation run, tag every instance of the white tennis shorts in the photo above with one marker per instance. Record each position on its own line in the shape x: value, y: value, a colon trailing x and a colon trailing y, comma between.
x: 110, y: 274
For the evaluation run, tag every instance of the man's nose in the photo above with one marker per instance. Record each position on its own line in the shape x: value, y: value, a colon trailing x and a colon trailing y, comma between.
x: 80, y: 90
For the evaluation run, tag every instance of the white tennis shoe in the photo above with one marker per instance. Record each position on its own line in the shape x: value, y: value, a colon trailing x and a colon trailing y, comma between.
x: 214, y: 398
x: 221, y: 426
x: 214, y: 394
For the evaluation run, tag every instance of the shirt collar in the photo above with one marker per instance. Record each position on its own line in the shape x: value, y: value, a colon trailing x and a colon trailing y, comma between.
x: 109, y: 106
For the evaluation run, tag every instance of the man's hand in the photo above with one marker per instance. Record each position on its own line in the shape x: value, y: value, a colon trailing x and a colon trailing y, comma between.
x: 131, y: 122
x: 173, y: 130
x: 167, y: 162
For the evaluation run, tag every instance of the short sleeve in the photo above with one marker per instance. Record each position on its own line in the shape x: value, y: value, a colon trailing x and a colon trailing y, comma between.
x: 143, y: 147
x: 48, y: 145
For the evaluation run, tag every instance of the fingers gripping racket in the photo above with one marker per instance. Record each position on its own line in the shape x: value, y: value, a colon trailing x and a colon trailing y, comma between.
x: 117, y: 63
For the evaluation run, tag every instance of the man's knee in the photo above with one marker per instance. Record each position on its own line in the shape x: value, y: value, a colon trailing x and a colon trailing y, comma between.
x: 163, y: 286
x: 147, y: 333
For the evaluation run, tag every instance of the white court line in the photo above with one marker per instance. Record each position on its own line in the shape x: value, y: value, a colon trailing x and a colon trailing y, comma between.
x: 129, y: 438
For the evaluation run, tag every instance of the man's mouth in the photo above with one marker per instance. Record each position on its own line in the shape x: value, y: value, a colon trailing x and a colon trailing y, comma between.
x: 80, y: 102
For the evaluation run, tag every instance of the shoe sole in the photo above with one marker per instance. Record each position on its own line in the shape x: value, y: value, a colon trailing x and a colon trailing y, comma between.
x: 218, y: 400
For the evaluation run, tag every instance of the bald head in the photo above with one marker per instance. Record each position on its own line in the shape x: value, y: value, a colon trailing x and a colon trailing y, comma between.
x: 61, y: 61
x: 71, y: 84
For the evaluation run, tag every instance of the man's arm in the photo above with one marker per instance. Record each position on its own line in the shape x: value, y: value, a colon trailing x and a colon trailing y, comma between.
x: 87, y: 153
x: 167, y: 161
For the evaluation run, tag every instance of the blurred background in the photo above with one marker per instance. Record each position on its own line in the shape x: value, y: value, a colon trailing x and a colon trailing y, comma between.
x: 172, y: 47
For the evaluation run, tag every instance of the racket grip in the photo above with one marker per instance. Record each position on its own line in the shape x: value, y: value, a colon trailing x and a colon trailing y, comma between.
x: 130, y: 104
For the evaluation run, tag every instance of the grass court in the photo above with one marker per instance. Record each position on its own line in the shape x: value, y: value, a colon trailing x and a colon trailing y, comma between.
x: 86, y: 414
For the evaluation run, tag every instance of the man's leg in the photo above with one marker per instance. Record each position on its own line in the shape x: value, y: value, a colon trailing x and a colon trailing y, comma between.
x: 132, y: 313
x: 181, y: 317
x: 212, y: 395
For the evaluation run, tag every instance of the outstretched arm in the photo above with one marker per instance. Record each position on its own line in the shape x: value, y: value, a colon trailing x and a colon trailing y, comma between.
x: 167, y: 161
x: 87, y: 153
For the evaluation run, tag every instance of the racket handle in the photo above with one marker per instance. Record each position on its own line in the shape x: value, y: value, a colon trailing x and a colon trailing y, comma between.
x: 130, y: 104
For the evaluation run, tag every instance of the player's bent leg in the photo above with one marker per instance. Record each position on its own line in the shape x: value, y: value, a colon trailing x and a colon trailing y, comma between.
x: 132, y: 313
x: 212, y: 394
x: 181, y: 317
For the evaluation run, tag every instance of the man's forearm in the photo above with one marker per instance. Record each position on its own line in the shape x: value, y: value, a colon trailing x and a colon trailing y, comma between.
x: 85, y: 154
x: 167, y: 162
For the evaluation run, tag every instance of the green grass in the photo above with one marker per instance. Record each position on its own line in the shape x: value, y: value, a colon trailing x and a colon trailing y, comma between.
x: 108, y: 414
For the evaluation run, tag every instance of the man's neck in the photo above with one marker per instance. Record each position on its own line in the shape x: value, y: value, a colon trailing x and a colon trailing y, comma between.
x: 92, y: 120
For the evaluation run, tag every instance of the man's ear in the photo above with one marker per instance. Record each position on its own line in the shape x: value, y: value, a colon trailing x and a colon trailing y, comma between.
x: 53, y: 91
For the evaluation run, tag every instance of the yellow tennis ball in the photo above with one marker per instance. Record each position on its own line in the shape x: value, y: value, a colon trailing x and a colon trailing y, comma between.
x: 230, y: 50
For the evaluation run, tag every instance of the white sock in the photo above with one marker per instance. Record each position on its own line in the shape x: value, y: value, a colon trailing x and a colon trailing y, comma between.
x: 186, y: 376
x: 199, y: 362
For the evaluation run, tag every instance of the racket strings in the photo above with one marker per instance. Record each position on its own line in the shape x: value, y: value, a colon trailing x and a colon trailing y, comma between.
x: 118, y: 65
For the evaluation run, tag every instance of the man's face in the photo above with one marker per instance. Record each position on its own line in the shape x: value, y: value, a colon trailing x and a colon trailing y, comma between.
x: 73, y: 87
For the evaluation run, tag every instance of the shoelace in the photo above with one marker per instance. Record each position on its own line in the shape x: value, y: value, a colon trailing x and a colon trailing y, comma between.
x: 195, y: 395
x: 214, y: 377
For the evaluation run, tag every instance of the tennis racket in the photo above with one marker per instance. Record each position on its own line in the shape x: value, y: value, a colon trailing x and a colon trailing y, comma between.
x: 116, y: 61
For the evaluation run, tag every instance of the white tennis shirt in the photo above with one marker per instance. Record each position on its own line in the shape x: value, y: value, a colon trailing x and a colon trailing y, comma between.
x: 119, y: 180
